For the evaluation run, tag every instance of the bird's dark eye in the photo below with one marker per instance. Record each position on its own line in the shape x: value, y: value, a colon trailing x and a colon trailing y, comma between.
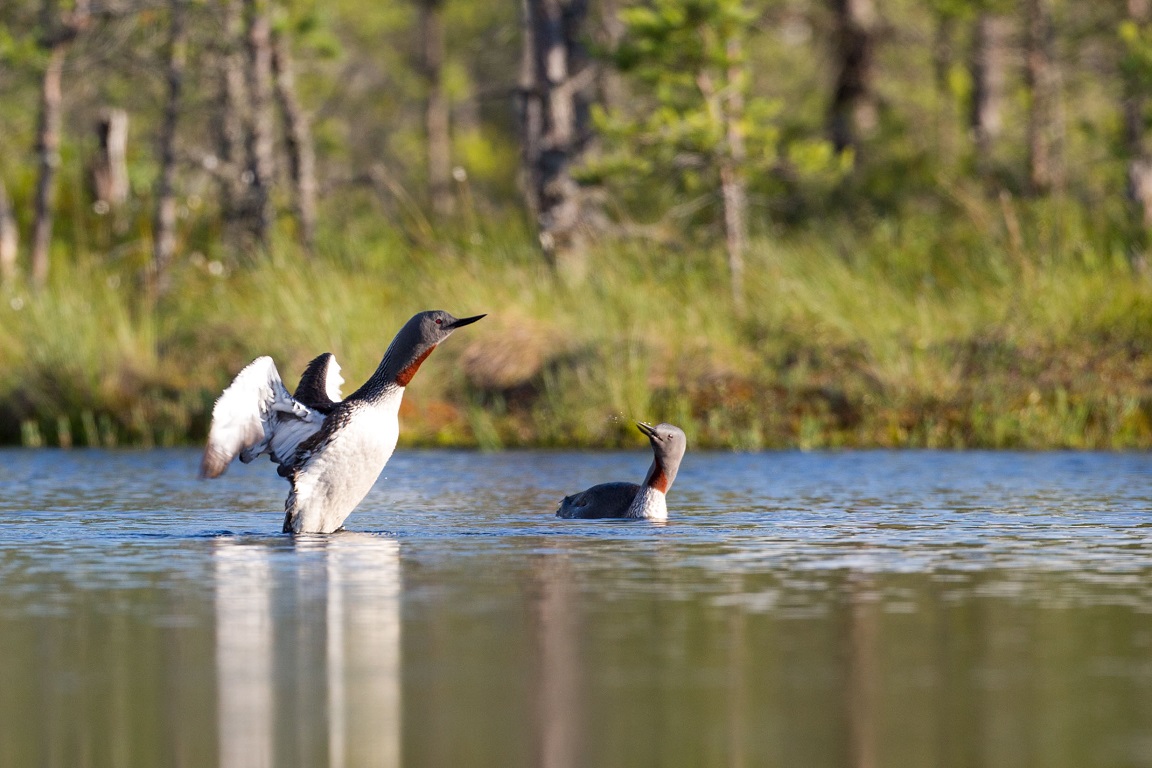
x: 439, y: 321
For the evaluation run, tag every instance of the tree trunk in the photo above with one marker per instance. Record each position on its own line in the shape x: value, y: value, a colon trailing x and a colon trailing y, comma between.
x: 1135, y: 101
x: 612, y: 90
x: 48, y: 156
x: 164, y: 223
x: 59, y: 34
x: 723, y: 95
x: 258, y: 37
x: 733, y: 186
x: 110, y: 167
x: 989, y: 71
x: 230, y: 122
x: 734, y: 192
x: 1139, y: 159
x: 853, y: 115
x: 942, y: 53
x: 1140, y: 189
x: 436, y: 113
x: 298, y: 141
x: 531, y: 112
x: 943, y: 59
x: 554, y: 126
x: 9, y: 237
x: 1044, y: 128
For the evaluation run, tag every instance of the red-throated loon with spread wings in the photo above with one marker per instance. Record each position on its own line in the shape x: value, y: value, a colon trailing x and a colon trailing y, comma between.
x: 330, y: 450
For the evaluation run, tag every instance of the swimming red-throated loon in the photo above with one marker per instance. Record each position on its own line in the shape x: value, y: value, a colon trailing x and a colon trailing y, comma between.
x: 629, y: 500
x: 330, y: 450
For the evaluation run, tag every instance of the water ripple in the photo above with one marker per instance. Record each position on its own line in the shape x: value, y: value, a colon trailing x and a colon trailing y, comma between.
x: 124, y: 519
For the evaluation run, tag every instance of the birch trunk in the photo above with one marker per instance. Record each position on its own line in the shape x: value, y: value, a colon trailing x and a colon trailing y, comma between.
x: 164, y: 221
x: 437, y: 129
x: 9, y: 237
x: 553, y: 121
x: 298, y: 141
x: 1139, y: 159
x: 110, y: 169
x: 1044, y: 130
x: 853, y: 111
x: 531, y: 111
x: 610, y: 82
x: 989, y: 73
x: 258, y: 38
x: 733, y: 186
x: 947, y: 126
x: 61, y: 32
x: 48, y: 159
x: 230, y: 122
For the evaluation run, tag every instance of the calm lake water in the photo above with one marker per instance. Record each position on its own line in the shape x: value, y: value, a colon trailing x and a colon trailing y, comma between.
x: 798, y: 610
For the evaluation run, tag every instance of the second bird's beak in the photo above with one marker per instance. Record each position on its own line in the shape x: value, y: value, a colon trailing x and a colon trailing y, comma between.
x: 464, y: 321
x: 647, y: 429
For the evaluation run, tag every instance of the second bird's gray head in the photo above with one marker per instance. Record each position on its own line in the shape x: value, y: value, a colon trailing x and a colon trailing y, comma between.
x: 416, y: 340
x: 668, y: 445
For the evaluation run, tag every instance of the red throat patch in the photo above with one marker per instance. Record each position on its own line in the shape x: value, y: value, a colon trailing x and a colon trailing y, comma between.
x: 659, y: 480
x: 406, y: 375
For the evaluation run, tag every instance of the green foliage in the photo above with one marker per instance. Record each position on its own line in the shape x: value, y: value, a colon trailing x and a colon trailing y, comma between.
x: 969, y: 9
x: 1136, y: 39
x: 309, y: 27
x: 691, y: 57
x: 689, y: 53
x: 17, y: 50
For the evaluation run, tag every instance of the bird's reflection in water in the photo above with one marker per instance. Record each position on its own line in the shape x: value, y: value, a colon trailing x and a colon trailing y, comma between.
x: 274, y: 707
x: 244, y: 654
x: 559, y: 674
x: 363, y: 650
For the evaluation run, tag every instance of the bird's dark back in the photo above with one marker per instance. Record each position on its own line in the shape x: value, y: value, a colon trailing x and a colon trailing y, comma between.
x: 599, y: 501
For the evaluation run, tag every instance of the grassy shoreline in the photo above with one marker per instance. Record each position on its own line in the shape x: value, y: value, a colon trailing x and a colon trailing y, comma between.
x: 903, y: 334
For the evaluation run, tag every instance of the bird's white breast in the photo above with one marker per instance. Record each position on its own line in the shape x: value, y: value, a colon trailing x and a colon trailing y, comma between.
x: 650, y: 504
x: 339, y: 475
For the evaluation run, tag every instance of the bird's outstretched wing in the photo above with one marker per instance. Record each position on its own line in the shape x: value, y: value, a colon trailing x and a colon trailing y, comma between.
x: 256, y: 415
x: 319, y: 387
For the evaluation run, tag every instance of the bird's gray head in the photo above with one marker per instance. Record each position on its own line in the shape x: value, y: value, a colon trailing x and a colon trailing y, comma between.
x: 668, y: 445
x: 417, y: 339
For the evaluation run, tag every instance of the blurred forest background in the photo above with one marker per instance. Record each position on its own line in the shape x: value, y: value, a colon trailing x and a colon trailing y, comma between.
x: 778, y: 223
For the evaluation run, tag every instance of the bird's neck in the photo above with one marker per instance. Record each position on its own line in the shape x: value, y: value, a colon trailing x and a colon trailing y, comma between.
x: 396, y: 369
x: 660, y: 475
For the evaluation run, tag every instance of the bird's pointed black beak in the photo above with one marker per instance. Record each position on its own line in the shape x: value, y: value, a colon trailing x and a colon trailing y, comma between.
x: 464, y: 321
x: 646, y: 428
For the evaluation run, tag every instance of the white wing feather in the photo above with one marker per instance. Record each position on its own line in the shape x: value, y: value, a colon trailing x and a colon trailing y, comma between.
x: 256, y: 415
x: 334, y: 381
